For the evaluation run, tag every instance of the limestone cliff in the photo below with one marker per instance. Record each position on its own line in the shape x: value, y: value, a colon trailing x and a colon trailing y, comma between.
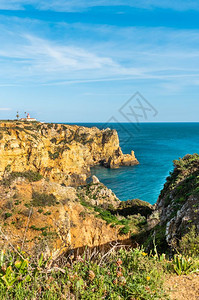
x: 62, y: 153
x: 43, y: 216
x: 177, y: 209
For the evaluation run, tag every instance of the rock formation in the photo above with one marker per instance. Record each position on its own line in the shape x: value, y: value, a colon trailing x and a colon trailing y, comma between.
x: 62, y: 153
x: 177, y: 209
x: 46, y: 204
x: 43, y: 216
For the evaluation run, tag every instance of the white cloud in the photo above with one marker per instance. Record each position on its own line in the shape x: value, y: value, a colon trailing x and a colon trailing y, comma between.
x: 156, y: 54
x: 43, y: 59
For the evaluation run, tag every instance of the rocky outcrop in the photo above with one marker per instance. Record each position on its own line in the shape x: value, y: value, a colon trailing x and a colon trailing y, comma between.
x: 62, y: 153
x: 46, y: 204
x: 177, y: 209
x: 134, y: 207
x: 43, y: 216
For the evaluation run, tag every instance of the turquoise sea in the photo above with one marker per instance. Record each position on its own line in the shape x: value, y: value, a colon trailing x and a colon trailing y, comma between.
x: 156, y: 145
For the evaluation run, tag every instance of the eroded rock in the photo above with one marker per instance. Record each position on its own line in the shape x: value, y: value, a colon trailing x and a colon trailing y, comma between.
x: 63, y: 153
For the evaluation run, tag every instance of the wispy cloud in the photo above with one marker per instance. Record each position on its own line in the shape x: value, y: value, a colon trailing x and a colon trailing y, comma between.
x: 79, y: 5
x: 34, y: 57
x: 157, y: 54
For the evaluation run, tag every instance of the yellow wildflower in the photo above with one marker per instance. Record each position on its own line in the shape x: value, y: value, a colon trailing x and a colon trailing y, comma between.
x: 148, y: 278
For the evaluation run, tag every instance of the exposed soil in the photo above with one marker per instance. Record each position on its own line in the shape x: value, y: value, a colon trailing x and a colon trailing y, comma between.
x: 185, y: 287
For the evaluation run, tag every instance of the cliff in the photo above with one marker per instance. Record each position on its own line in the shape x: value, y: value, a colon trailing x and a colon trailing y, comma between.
x: 176, y: 216
x: 46, y: 204
x: 43, y: 216
x: 62, y: 153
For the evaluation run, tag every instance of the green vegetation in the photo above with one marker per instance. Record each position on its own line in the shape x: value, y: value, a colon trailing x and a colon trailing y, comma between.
x: 126, y: 214
x: 189, y: 244
x: 8, y: 168
x: 43, y: 199
x: 82, y: 138
x: 184, y: 179
x: 107, y: 216
x: 118, y: 274
x: 82, y: 214
x: 39, y: 228
x: 7, y: 215
x: 129, y: 224
x: 180, y: 197
x: 184, y: 265
x: 48, y: 213
x: 125, y: 274
x: 156, y: 236
x: 124, y: 230
x: 53, y: 140
x: 59, y: 150
x: 30, y: 175
x: 106, y: 136
x: 54, y: 155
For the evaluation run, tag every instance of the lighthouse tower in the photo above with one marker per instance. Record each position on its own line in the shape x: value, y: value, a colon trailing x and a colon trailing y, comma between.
x: 28, y: 118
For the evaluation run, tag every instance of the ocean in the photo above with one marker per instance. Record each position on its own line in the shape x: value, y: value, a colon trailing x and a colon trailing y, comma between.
x: 156, y: 145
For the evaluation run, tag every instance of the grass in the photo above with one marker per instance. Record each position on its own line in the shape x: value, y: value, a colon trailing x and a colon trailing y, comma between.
x: 120, y: 273
x: 123, y: 274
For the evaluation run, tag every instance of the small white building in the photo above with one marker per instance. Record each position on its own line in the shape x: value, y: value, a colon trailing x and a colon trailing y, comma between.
x: 28, y: 118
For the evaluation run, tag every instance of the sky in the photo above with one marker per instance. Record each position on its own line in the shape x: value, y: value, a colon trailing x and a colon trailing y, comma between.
x: 85, y: 60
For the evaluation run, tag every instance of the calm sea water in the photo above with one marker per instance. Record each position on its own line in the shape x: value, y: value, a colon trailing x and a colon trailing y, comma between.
x: 156, y: 145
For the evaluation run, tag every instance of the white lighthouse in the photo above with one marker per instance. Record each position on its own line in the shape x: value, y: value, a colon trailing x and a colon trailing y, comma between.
x: 28, y: 118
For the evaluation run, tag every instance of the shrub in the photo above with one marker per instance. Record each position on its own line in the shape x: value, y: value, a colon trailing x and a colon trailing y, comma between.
x: 43, y: 199
x: 189, y: 243
x: 53, y: 140
x: 7, y: 215
x: 82, y: 214
x: 106, y: 215
x: 53, y: 155
x: 8, y: 168
x: 39, y: 228
x: 124, y: 230
x: 30, y: 175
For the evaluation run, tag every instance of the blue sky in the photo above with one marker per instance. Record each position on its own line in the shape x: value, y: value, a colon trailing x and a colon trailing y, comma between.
x: 80, y: 61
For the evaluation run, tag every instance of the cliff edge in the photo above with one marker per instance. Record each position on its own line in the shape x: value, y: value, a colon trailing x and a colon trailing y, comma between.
x: 46, y: 204
x: 62, y: 153
x: 175, y: 220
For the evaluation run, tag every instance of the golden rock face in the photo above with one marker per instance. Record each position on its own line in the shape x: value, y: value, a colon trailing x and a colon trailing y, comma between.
x: 63, y: 153
x: 46, y: 217
x: 55, y: 214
